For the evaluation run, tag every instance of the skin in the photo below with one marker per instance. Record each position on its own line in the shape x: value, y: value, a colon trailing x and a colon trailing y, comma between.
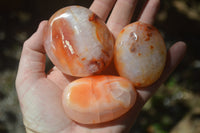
x: 40, y: 93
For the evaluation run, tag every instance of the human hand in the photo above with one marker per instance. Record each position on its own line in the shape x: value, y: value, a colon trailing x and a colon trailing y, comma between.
x: 40, y: 93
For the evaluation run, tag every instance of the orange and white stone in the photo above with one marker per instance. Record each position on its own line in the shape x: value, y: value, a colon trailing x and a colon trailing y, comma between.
x: 78, y: 42
x: 140, y: 54
x: 98, y: 99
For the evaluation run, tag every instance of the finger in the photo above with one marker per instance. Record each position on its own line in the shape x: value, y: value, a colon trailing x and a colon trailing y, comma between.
x: 102, y: 7
x: 32, y: 62
x: 149, y: 12
x: 121, y: 15
x: 174, y: 57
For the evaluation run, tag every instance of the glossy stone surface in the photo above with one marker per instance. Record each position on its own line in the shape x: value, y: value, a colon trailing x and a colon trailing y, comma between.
x: 140, y: 54
x: 98, y: 99
x: 78, y: 42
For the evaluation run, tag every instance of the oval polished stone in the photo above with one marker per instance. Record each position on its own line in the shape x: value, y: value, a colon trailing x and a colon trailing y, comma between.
x: 98, y: 99
x: 78, y: 42
x: 140, y: 54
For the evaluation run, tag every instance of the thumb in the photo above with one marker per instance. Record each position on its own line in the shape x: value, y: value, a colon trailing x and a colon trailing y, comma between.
x: 32, y: 61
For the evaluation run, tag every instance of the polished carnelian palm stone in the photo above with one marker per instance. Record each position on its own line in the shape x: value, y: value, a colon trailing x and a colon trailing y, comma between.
x: 140, y: 54
x: 78, y: 42
x: 98, y: 99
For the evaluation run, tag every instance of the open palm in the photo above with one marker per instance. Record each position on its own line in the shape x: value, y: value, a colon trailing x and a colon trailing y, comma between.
x: 40, y: 93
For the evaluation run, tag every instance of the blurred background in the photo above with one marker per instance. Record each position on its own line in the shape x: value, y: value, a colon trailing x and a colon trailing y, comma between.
x: 175, y: 108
